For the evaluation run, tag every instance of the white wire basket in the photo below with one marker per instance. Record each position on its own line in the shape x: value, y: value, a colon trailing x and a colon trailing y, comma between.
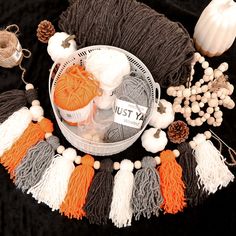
x: 70, y: 132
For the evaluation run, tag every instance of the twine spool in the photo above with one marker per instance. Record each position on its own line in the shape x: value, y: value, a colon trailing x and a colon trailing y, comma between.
x: 11, y: 52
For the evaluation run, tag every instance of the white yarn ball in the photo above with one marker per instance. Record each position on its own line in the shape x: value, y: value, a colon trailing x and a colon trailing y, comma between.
x: 109, y: 66
x: 127, y: 165
x: 36, y: 111
x: 162, y: 121
x: 70, y: 154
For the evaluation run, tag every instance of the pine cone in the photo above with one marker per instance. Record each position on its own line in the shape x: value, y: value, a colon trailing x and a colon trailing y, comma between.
x: 178, y: 131
x: 45, y: 30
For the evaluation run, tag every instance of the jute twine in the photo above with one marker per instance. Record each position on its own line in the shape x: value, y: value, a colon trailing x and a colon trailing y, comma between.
x: 11, y: 52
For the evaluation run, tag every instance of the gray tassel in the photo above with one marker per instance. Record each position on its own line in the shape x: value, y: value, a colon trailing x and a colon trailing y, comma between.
x: 36, y: 161
x: 147, y: 197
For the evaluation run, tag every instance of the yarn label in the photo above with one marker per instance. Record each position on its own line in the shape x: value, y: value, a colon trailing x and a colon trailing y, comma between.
x: 16, y: 56
x: 129, y: 114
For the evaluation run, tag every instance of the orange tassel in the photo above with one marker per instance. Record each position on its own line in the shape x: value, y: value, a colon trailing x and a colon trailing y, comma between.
x: 172, y: 186
x: 79, y: 184
x: 34, y: 133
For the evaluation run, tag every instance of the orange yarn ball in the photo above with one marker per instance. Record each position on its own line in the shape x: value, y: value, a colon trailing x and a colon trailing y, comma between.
x: 46, y: 125
x: 75, y: 89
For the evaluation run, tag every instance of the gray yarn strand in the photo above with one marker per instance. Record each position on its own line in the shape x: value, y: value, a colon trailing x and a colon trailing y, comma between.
x: 136, y: 90
x: 36, y: 161
x: 146, y: 196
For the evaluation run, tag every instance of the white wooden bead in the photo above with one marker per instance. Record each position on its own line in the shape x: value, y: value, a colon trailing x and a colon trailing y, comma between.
x: 195, y: 107
x: 203, y: 119
x: 201, y: 81
x: 204, y: 88
x: 216, y: 108
x: 213, y: 102
x: 170, y: 91
x: 226, y: 100
x: 193, y: 98
x: 137, y: 165
x: 158, y: 160
x: 201, y: 59
x: 201, y: 104
x: 214, y: 95
x: 208, y: 71
x: 205, y: 65
x: 47, y: 135
x: 35, y: 103
x: 218, y: 114
x: 210, y: 110
x: 207, y: 134
x: 176, y: 152
x: 181, y: 87
x: 220, y: 102
x: 192, y: 72
x: 217, y: 73
x: 201, y: 113
x: 116, y: 165
x: 70, y: 153
x: 78, y: 160
x: 207, y: 95
x: 29, y: 86
x: 222, y: 97
x: 206, y: 78
x: 177, y: 108
x: 204, y: 99
x: 225, y: 65
x: 198, y: 97
x: 198, y: 84
x: 231, y: 88
x: 231, y: 104
x: 192, y: 144
x: 96, y: 165
x: 36, y: 111
x: 206, y: 115
x: 193, y: 123
x: 219, y: 120
x: 186, y: 92
x: 219, y: 93
x: 210, y: 121
x: 196, y: 56
x: 199, y: 90
x: 188, y: 110
x: 60, y: 149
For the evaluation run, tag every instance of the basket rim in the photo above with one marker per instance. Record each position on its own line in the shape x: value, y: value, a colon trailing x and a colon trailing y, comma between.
x: 155, y: 85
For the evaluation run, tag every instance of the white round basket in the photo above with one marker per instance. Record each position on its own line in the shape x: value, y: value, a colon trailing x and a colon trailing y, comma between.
x: 70, y: 132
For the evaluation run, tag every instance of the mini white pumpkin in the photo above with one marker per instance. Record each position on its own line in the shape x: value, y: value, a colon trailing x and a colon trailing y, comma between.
x: 162, y: 115
x: 154, y: 140
x: 215, y: 30
x: 61, y: 45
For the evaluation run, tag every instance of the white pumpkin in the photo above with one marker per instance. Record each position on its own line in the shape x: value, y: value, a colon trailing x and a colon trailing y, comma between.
x: 215, y: 30
x: 60, y: 46
x: 162, y: 115
x: 154, y: 140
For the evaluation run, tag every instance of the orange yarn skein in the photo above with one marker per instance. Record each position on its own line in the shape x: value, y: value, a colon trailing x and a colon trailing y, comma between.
x: 172, y: 185
x: 75, y: 88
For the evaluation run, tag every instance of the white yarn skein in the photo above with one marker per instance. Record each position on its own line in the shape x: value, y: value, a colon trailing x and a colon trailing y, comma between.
x: 52, y: 188
x: 211, y: 168
x: 121, y: 210
x: 12, y: 128
x: 109, y: 66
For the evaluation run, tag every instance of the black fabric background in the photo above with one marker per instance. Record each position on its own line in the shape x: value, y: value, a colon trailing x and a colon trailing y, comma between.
x: 20, y: 215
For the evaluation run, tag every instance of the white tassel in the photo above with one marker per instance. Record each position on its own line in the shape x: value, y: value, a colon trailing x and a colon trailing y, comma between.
x: 211, y: 169
x: 12, y: 128
x: 52, y: 188
x: 121, y: 210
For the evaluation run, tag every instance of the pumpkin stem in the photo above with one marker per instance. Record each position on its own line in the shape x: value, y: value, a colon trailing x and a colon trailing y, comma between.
x: 157, y: 134
x: 65, y: 43
x: 161, y: 108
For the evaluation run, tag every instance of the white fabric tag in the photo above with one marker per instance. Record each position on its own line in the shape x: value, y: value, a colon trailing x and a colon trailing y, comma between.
x: 77, y: 116
x: 18, y: 53
x: 129, y: 114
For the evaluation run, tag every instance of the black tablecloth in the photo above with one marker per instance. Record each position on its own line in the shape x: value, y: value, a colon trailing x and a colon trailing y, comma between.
x: 21, y: 215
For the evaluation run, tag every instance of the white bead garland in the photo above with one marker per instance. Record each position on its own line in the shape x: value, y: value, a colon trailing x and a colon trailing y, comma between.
x: 196, y: 98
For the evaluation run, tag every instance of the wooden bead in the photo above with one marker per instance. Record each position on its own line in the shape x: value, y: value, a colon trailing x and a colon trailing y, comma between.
x: 193, y: 98
x: 207, y: 134
x: 196, y: 56
x: 208, y: 71
x: 96, y: 165
x: 206, y: 78
x: 213, y: 102
x: 199, y: 90
x: 201, y: 113
x: 203, y: 119
x: 177, y: 108
x: 204, y: 88
x: 179, y: 93
x: 198, y: 84
x: 47, y: 135
x: 198, y: 97
x: 181, y: 88
x: 231, y: 88
x: 219, y: 120
x: 78, y: 160
x: 218, y: 114
x: 217, y: 73
x: 198, y: 122
x: 192, y: 72
x: 201, y: 104
x: 60, y: 149
x: 210, y: 110
x: 205, y: 65
x: 137, y: 165
x: 206, y: 115
x: 195, y: 107
x: 219, y: 93
x: 224, y: 65
x: 176, y: 152
x: 188, y: 110
x: 116, y: 165
x: 36, y: 111
x: 220, y: 102
x: 214, y: 95
x: 201, y: 81
x: 201, y: 59
x: 192, y: 123
x: 29, y: 86
x: 170, y: 91
x: 210, y: 121
x: 158, y: 160
x: 204, y: 99
x: 231, y: 104
x: 186, y: 92
x: 207, y: 95
x: 35, y: 103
